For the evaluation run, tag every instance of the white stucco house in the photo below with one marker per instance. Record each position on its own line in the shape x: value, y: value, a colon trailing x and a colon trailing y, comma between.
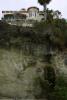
x: 23, y: 17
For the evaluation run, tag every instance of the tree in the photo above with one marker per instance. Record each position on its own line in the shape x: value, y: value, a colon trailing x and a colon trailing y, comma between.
x: 49, y: 15
x: 44, y: 3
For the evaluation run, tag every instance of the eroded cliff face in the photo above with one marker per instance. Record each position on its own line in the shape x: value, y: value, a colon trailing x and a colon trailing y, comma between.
x: 18, y: 73
x: 60, y: 62
x: 20, y: 69
x: 22, y: 63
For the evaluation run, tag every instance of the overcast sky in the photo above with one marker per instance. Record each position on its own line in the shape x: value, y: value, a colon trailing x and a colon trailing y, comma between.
x: 60, y: 5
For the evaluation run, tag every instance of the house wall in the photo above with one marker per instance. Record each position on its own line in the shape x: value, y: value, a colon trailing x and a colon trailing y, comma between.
x: 33, y: 13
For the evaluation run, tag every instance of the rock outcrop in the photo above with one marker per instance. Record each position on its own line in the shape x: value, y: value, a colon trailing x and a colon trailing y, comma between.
x: 17, y: 75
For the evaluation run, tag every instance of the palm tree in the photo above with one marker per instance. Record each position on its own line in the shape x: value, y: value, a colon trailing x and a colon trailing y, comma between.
x: 44, y: 3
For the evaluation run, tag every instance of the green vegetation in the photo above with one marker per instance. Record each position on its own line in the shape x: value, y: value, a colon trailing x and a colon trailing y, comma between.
x: 60, y: 91
x: 56, y: 31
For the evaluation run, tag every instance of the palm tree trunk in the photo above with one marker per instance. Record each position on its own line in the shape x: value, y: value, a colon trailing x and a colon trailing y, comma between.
x: 45, y: 13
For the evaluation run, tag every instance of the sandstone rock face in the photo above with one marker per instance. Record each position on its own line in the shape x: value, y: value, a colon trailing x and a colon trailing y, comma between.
x: 59, y: 62
x: 17, y: 75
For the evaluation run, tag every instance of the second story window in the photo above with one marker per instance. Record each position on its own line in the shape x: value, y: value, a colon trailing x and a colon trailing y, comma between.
x: 35, y: 14
x: 30, y: 14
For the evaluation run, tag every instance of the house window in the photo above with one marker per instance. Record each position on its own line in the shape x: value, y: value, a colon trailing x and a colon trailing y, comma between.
x: 35, y: 14
x: 30, y: 14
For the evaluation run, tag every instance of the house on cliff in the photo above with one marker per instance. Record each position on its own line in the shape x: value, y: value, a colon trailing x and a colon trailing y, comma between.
x: 23, y: 17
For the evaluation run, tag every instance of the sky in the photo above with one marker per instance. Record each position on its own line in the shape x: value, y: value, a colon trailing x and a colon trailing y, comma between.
x: 60, y: 5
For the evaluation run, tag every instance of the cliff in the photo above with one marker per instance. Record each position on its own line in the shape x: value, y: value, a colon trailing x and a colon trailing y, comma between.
x: 23, y: 57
